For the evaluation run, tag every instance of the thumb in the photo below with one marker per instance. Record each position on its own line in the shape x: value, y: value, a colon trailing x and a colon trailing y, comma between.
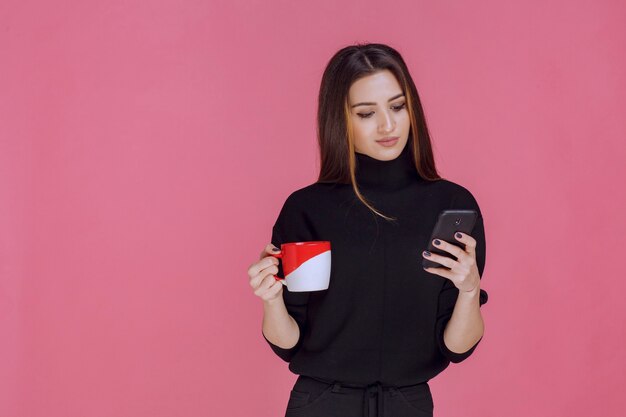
x: 272, y: 248
x: 269, y: 249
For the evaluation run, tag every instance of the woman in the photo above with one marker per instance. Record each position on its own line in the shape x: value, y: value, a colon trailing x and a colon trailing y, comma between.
x: 369, y: 343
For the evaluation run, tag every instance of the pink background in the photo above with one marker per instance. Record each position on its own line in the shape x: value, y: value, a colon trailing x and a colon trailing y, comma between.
x: 146, y: 148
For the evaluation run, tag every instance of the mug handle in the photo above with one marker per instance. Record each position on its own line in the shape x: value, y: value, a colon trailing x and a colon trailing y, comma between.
x: 278, y: 256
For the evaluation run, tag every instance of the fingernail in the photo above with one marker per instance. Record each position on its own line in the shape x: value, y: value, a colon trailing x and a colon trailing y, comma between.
x: 426, y: 253
x: 458, y: 235
x: 437, y: 241
x: 276, y: 250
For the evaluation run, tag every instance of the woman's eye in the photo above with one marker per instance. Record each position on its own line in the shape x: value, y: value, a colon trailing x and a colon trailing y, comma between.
x: 396, y: 108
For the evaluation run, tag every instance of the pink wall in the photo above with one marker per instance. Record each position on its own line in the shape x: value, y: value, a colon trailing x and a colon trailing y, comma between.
x: 146, y: 148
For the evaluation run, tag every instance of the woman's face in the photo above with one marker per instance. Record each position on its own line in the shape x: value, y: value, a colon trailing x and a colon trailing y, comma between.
x: 378, y: 110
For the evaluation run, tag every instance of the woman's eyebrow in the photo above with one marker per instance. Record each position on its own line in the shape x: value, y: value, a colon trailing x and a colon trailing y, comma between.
x: 369, y: 103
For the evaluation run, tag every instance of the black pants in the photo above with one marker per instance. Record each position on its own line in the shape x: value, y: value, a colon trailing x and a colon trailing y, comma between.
x: 313, y: 397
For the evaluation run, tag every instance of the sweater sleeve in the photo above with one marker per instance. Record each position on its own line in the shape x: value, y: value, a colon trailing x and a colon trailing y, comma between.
x: 290, y: 227
x: 449, y: 295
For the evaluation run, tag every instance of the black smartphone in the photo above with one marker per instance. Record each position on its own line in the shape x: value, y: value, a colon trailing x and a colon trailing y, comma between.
x: 448, y: 223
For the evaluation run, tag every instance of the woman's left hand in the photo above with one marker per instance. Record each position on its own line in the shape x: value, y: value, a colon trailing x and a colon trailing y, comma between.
x: 463, y: 272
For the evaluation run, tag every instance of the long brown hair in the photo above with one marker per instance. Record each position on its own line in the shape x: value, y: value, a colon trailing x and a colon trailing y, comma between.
x: 334, y: 127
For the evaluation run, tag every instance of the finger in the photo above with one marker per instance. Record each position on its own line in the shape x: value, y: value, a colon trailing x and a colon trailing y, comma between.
x: 256, y: 268
x: 448, y: 247
x: 264, y: 261
x: 267, y: 282
x: 258, y: 280
x: 269, y: 272
x: 271, y: 292
x: 440, y: 259
x: 269, y: 268
x: 274, y: 289
x: 469, y: 241
x: 269, y: 249
x: 446, y: 273
x: 275, y: 283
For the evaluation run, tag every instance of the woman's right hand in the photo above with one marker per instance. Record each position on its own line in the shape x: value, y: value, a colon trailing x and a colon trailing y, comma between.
x: 262, y: 279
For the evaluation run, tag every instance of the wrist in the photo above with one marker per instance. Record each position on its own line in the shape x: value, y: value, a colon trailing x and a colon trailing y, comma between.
x: 474, y: 292
x: 272, y: 303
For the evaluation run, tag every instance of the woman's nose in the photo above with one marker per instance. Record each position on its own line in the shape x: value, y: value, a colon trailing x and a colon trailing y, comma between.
x: 386, y: 124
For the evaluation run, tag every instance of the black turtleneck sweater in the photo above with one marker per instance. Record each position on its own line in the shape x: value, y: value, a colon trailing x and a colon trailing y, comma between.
x: 382, y: 317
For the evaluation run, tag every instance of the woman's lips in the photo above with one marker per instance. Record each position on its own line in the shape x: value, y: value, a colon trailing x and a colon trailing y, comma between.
x: 387, y: 142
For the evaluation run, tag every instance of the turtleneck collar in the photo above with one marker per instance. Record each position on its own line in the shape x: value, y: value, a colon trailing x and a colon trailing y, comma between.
x: 396, y: 173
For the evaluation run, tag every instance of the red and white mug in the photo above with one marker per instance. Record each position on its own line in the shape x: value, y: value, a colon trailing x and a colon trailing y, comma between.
x: 306, y: 265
